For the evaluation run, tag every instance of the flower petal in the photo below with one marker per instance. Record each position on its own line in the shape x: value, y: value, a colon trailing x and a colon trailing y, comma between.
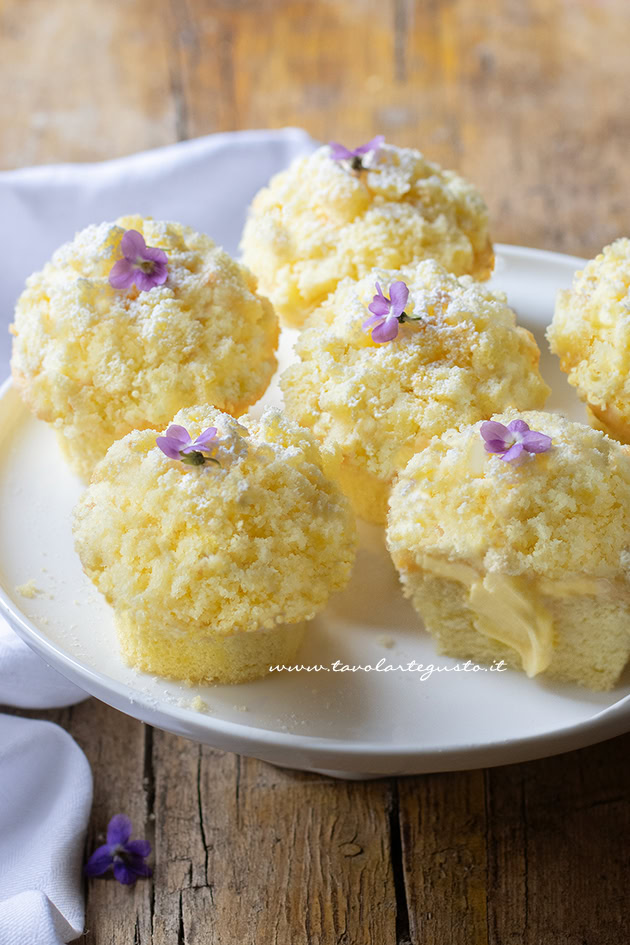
x: 138, y: 848
x: 496, y: 446
x: 99, y: 862
x: 118, y: 830
x: 141, y: 868
x: 379, y: 306
x: 132, y: 245
x: 518, y: 426
x: 122, y: 275
x: 338, y: 152
x: 371, y: 322
x: 535, y: 442
x: 399, y: 294
x: 492, y: 430
x: 169, y: 446
x: 513, y: 453
x: 124, y: 873
x: 160, y: 273
x: 175, y: 432
x: 145, y: 280
x: 373, y: 145
x: 387, y: 331
x: 153, y: 254
x: 204, y: 438
x: 127, y: 870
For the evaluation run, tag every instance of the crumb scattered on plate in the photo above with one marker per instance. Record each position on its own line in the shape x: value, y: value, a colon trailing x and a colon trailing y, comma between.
x: 29, y: 589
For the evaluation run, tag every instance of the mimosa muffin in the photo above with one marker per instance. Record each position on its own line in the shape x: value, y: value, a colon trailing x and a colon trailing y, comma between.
x: 458, y: 356
x: 339, y: 213
x: 590, y: 333
x: 130, y: 322
x: 214, y: 543
x: 514, y: 545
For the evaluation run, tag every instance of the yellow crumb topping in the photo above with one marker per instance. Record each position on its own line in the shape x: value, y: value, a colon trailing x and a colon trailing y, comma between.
x: 590, y: 333
x: 318, y: 222
x: 99, y: 362
x: 558, y: 514
x: 260, y: 540
x: 372, y: 406
x: 29, y: 589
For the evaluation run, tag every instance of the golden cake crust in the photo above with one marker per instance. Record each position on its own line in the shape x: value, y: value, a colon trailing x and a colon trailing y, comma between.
x: 559, y: 514
x: 372, y: 406
x: 590, y: 333
x: 99, y: 362
x: 260, y: 540
x: 317, y: 222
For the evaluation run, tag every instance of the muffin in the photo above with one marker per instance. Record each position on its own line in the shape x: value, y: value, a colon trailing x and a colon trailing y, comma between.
x: 325, y: 218
x: 520, y: 553
x: 214, y: 542
x: 184, y: 325
x: 457, y: 357
x: 590, y: 333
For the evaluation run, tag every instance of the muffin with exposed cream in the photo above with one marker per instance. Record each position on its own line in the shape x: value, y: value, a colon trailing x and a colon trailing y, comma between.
x: 512, y: 539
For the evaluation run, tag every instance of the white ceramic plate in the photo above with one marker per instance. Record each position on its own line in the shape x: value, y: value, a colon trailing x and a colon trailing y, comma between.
x: 351, y: 724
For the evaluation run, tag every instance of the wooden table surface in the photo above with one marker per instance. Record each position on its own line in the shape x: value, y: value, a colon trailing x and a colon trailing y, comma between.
x: 528, y: 98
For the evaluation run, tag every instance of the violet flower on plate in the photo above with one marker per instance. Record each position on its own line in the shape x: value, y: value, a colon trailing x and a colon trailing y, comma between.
x: 510, y: 441
x: 146, y: 266
x: 178, y: 444
x: 339, y: 152
x: 388, y: 313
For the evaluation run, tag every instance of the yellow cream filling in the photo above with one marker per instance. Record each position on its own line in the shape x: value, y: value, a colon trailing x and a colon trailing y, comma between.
x: 504, y: 609
x: 509, y: 609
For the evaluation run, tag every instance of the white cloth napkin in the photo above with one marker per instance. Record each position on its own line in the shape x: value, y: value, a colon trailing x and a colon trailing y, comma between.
x: 45, y: 782
x: 27, y: 682
x: 46, y: 795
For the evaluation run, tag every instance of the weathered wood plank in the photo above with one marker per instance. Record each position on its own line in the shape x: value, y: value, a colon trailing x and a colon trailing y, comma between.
x: 83, y: 81
x: 249, y: 853
x: 443, y: 831
x: 558, y: 834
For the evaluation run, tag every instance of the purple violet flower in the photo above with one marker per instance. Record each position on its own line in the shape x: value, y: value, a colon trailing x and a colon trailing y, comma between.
x: 339, y: 152
x: 125, y: 856
x: 177, y: 445
x: 142, y: 264
x: 510, y: 441
x: 388, y: 313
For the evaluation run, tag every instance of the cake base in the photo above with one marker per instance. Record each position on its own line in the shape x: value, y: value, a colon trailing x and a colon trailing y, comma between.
x: 591, y: 636
x: 367, y: 494
x: 609, y: 421
x: 206, y: 657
